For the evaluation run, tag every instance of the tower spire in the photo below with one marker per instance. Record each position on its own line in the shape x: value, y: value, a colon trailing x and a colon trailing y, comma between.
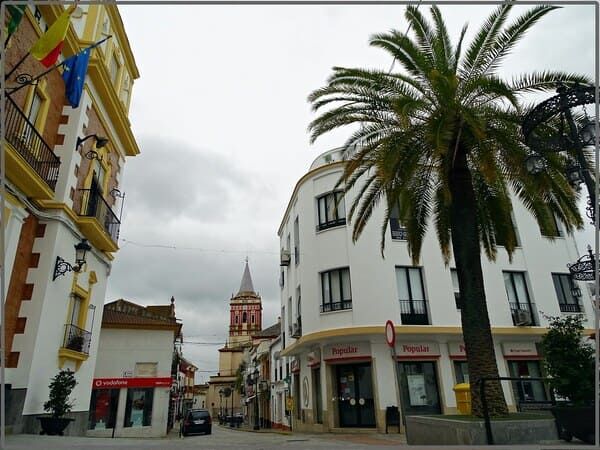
x: 246, y: 284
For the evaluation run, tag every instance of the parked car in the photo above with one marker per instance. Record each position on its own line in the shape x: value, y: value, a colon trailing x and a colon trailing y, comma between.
x: 196, y: 421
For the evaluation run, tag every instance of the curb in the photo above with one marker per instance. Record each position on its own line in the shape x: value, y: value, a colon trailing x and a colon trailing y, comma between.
x: 263, y: 431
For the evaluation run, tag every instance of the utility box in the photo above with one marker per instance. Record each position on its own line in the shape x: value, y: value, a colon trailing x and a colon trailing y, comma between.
x: 462, y: 391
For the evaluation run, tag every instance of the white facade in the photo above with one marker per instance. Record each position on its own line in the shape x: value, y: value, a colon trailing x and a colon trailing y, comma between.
x: 379, y: 291
x: 280, y: 416
x: 134, y: 354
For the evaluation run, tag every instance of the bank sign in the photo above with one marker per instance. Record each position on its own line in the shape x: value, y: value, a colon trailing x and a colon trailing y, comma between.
x: 140, y: 382
x: 416, y: 350
x: 356, y: 350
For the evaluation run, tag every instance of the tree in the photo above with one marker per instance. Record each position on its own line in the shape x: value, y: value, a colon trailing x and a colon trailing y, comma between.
x: 568, y: 360
x: 441, y: 139
x: 61, y: 386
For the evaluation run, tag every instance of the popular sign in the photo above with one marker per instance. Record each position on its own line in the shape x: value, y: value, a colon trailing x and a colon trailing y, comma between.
x: 414, y: 350
x: 141, y: 382
x: 457, y: 350
x: 347, y: 351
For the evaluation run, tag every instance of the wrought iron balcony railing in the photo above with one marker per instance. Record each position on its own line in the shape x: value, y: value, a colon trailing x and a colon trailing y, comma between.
x: 93, y: 205
x: 28, y: 142
x: 77, y: 339
x: 336, y: 306
x: 413, y: 312
x: 571, y: 307
x: 523, y: 314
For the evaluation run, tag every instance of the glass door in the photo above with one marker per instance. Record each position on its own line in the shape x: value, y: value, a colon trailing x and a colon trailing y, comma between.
x: 355, y: 395
x: 527, y: 391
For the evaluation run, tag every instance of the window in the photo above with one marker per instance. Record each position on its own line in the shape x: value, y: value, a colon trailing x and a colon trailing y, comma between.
x: 114, y: 68
x: 500, y: 240
x: 125, y: 91
x: 289, y: 316
x: 563, y: 285
x: 298, y: 304
x: 138, y: 408
x: 335, y: 290
x: 518, y: 298
x: 244, y: 317
x: 331, y: 210
x: 282, y: 279
x: 34, y: 109
x: 75, y: 309
x: 461, y: 369
x: 527, y: 391
x: 103, y: 409
x: 296, y: 241
x: 411, y: 293
x: 397, y: 229
x: 455, y: 287
x: 252, y: 319
x: 556, y: 230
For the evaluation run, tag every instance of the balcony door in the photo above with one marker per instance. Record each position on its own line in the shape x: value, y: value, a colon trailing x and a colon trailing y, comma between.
x: 96, y: 187
x: 411, y: 293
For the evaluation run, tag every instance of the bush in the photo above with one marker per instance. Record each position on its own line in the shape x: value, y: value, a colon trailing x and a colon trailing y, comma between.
x: 568, y: 360
x: 61, y: 387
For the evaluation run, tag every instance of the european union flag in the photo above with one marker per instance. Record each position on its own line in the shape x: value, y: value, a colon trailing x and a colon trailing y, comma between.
x: 74, y: 72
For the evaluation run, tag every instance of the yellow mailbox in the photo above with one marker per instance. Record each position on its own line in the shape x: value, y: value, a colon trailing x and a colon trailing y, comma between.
x: 462, y: 391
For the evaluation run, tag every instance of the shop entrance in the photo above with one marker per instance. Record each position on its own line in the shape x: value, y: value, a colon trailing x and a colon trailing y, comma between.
x: 419, y: 388
x: 527, y: 391
x: 355, y: 395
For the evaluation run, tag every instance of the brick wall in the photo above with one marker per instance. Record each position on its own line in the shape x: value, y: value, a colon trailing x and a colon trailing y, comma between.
x: 18, y: 289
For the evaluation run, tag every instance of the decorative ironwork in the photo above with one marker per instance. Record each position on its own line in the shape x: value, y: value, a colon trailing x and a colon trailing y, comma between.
x: 517, y: 310
x: 568, y: 97
x: 93, y: 205
x: 61, y: 267
x: 28, y: 142
x: 336, y: 306
x: 413, y: 312
x: 77, y: 339
x: 584, y: 268
x: 24, y: 78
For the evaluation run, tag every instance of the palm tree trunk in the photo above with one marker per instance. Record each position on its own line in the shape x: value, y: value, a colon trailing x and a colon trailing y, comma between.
x: 477, y: 333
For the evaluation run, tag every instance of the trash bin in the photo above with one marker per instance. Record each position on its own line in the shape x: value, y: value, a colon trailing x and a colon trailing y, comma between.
x: 462, y: 391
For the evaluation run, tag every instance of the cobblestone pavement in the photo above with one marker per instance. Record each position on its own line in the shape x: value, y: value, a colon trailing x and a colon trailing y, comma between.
x: 223, y: 438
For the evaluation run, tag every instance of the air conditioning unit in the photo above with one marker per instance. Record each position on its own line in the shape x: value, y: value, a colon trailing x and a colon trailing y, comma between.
x: 285, y: 258
x: 522, y: 318
x: 296, y: 330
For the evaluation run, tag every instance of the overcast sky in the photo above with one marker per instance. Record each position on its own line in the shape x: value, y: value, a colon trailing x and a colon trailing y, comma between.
x: 220, y: 114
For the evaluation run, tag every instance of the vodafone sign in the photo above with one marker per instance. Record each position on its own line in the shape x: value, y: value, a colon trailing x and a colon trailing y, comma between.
x: 141, y: 382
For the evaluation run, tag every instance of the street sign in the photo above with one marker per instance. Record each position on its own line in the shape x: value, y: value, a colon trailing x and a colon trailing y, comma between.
x: 390, y: 333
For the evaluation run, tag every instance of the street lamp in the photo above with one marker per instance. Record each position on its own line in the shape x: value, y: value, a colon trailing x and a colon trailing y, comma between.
x: 61, y: 266
x: 100, y: 142
x: 534, y: 163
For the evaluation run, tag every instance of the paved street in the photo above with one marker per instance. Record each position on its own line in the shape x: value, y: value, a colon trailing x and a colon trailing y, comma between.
x: 223, y: 438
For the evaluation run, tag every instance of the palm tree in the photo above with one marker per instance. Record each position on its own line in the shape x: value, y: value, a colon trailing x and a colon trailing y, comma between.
x: 440, y: 141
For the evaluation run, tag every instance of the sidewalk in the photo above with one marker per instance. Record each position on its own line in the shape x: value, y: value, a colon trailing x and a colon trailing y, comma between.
x: 249, y: 428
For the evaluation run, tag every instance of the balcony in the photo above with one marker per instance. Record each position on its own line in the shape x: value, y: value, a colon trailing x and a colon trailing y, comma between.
x: 571, y: 307
x: 77, y: 339
x: 336, y: 306
x: 523, y: 314
x: 99, y: 223
x: 413, y: 312
x: 30, y: 163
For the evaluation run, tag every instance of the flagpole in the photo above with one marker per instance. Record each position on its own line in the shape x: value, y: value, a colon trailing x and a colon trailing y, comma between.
x: 33, y: 80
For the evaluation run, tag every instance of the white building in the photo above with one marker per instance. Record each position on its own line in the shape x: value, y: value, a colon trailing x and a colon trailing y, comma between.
x: 281, y: 396
x: 132, y: 381
x: 336, y: 297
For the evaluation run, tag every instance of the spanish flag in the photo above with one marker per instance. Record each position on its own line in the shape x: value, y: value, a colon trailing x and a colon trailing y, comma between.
x: 49, y: 45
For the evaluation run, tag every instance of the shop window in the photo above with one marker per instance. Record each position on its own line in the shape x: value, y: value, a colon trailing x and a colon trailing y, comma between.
x: 103, y: 408
x: 565, y: 288
x: 396, y: 227
x: 331, y: 210
x: 336, y: 293
x: 524, y: 390
x: 419, y: 388
x: 411, y: 293
x: 138, y: 409
x: 461, y: 369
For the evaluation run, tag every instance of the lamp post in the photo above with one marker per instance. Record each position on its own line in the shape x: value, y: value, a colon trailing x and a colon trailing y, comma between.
x: 61, y: 266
